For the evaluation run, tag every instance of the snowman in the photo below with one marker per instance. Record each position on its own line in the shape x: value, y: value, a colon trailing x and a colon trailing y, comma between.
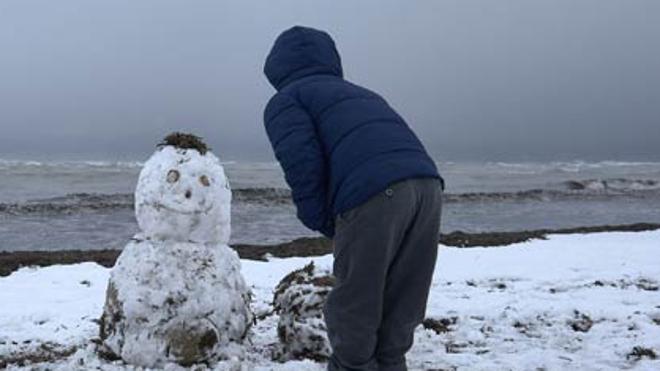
x: 176, y: 294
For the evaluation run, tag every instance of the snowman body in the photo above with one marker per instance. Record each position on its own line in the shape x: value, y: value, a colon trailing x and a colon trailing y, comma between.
x: 176, y: 294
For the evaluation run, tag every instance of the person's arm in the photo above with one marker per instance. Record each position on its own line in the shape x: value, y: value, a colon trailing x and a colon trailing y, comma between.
x: 293, y: 137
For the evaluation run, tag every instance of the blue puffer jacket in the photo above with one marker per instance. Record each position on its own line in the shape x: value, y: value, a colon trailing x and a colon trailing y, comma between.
x: 338, y: 144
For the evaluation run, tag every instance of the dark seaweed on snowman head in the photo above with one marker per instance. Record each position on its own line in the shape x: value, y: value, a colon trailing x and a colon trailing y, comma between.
x: 184, y: 141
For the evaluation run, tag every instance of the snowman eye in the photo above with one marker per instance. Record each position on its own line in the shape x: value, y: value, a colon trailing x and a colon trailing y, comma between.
x: 172, y: 176
x: 204, y: 180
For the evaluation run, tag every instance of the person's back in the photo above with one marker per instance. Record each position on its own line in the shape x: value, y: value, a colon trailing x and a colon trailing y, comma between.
x: 366, y: 144
x: 359, y: 174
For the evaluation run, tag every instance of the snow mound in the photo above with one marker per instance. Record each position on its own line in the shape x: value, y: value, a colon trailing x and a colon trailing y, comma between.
x: 299, y: 300
x: 571, y: 302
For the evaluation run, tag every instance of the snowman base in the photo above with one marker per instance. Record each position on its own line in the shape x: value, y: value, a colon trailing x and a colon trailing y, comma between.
x: 175, y: 302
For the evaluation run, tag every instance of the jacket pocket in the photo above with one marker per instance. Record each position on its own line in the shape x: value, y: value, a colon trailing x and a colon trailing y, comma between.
x: 350, y: 215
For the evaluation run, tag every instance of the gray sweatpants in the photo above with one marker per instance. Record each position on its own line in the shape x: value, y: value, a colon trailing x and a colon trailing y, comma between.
x: 385, y: 252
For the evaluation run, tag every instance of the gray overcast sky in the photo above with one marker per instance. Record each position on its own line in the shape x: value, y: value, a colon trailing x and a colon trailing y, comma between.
x: 518, y: 80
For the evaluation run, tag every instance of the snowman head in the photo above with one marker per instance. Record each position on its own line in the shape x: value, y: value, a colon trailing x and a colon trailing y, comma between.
x: 182, y: 193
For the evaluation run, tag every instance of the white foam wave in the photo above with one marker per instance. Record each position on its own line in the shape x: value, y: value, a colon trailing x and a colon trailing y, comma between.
x: 10, y: 163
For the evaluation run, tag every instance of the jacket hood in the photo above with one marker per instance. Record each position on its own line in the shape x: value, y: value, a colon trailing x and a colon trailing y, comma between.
x: 299, y: 52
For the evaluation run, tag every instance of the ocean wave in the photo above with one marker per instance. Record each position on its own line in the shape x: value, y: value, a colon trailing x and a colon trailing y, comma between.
x: 84, y: 202
x: 569, y: 167
x: 261, y: 195
x: 543, y: 195
x: 614, y: 184
x: 69, y: 204
x: 569, y: 190
x: 32, y: 164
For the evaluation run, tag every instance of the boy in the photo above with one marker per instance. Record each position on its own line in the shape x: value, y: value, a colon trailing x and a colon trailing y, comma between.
x: 359, y: 175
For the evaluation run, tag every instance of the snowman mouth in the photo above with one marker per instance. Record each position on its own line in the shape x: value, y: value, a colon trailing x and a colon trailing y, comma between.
x: 159, y: 206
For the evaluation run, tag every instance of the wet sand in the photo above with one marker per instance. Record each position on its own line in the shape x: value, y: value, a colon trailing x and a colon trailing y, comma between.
x: 303, y: 247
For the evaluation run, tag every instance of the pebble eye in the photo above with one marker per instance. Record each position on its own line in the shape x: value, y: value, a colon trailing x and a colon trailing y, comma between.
x: 172, y: 176
x: 204, y: 180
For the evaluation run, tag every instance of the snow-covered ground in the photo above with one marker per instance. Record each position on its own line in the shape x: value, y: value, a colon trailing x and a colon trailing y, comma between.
x: 578, y: 302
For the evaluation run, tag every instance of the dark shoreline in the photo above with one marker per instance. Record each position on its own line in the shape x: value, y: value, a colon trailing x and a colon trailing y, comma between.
x: 304, y: 247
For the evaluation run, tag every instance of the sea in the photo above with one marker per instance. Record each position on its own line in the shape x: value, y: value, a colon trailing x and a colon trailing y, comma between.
x: 76, y: 204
